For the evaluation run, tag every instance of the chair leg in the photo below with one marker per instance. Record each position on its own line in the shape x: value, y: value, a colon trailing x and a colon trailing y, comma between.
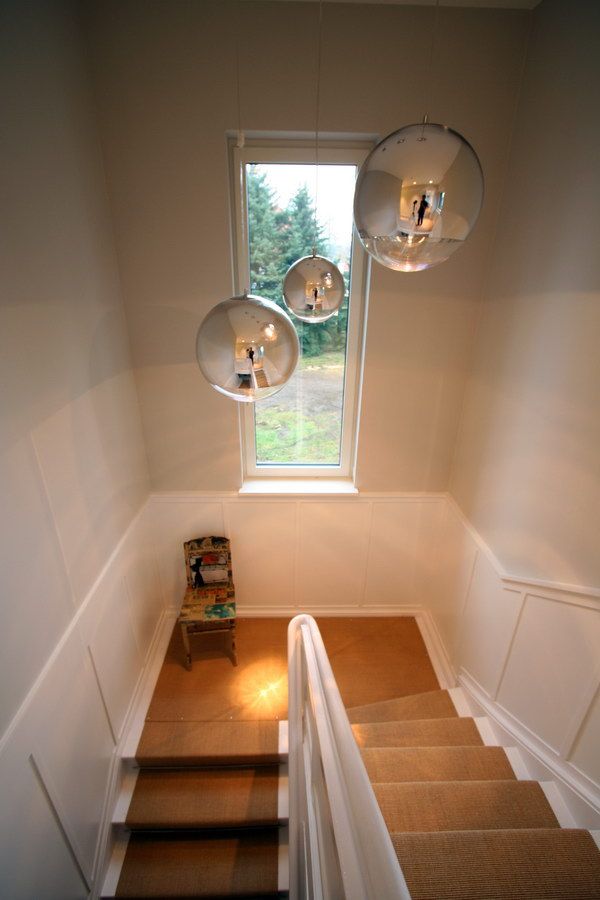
x: 233, y: 649
x: 186, y: 646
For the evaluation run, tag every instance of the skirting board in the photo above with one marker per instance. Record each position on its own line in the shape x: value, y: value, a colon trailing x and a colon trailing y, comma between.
x: 582, y: 796
x: 285, y: 612
x: 133, y: 725
x: 435, y: 647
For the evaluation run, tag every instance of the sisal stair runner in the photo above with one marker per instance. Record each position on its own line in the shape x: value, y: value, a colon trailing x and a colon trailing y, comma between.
x: 205, y: 821
x: 462, y: 825
x: 204, y: 816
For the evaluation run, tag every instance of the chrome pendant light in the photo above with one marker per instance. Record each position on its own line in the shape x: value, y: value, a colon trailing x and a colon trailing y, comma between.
x: 418, y: 194
x: 247, y: 347
x: 313, y: 287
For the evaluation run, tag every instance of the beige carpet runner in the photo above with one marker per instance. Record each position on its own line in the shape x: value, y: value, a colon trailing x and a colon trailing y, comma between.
x: 204, y: 815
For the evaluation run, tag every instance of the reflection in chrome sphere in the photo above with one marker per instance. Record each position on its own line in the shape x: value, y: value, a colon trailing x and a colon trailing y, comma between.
x: 417, y: 197
x: 313, y: 289
x: 247, y: 348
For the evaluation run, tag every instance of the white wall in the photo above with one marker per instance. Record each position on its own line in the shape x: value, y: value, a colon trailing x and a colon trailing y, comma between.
x: 165, y: 81
x: 527, y: 471
x: 528, y: 651
x: 73, y: 474
x: 353, y: 555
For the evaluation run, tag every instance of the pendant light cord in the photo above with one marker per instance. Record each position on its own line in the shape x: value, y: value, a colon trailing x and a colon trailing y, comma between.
x: 318, y: 98
x: 239, y: 146
x: 429, y: 89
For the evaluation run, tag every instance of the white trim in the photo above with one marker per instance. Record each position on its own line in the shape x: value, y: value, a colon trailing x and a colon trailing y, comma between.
x: 457, y: 695
x: 257, y: 612
x: 293, y: 151
x: 540, y: 757
x: 113, y: 872
x: 557, y: 804
x: 283, y: 794
x: 440, y: 660
x: 486, y: 732
x: 78, y: 615
x: 128, y: 782
x: 515, y: 758
x: 292, y: 487
x: 130, y: 735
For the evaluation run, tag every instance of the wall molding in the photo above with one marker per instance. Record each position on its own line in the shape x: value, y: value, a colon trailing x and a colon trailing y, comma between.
x: 560, y: 769
x: 131, y: 730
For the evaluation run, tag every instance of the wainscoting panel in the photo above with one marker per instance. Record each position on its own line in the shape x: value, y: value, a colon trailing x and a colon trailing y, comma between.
x: 74, y: 745
x: 487, y: 627
x: 527, y: 651
x: 455, y: 556
x: 60, y: 753
x: 366, y: 552
x: 560, y: 640
x: 586, y: 751
x: 263, y: 537
x: 115, y: 654
x: 394, y: 536
x: 35, y: 858
x: 332, y: 553
x: 178, y: 518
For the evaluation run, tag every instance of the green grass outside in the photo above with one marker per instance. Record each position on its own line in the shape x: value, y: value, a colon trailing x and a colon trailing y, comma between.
x: 281, y: 438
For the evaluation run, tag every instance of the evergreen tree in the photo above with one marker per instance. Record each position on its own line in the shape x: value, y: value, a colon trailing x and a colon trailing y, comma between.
x: 277, y: 239
x: 266, y: 251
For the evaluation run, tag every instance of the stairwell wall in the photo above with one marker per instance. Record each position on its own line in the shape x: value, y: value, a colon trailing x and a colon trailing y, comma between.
x: 526, y: 477
x: 80, y: 604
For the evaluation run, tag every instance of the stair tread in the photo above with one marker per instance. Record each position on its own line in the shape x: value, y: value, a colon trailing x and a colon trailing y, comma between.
x: 464, y: 805
x: 205, y: 798
x: 437, y: 763
x: 418, y: 733
x: 242, y: 864
x: 427, y: 705
x: 209, y: 743
x: 512, y: 864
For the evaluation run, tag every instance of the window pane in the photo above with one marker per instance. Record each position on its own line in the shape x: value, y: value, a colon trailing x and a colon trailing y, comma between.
x: 302, y: 423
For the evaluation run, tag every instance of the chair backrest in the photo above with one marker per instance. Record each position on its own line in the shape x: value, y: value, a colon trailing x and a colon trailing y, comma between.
x: 208, y: 562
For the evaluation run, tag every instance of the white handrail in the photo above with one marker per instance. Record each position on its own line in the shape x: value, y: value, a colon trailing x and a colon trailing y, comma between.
x: 339, y: 845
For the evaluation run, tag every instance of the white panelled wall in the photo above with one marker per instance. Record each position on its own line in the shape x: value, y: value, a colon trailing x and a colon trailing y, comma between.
x: 59, y: 757
x: 527, y: 651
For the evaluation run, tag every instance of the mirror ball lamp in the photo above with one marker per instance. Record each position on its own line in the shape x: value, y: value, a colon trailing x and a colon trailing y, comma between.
x: 418, y: 195
x: 313, y: 288
x: 247, y: 348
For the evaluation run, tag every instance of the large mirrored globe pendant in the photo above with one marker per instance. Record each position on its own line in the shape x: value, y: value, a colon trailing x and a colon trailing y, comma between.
x: 247, y: 348
x: 418, y: 195
x: 313, y: 288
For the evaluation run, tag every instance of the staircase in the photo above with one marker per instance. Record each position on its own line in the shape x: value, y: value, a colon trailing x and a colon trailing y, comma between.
x: 207, y: 814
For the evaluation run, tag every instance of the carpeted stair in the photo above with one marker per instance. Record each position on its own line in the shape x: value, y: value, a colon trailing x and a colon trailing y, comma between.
x: 205, y: 818
x: 463, y: 826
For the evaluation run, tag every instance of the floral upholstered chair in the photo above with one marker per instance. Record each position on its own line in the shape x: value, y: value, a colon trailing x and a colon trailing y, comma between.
x: 209, y: 602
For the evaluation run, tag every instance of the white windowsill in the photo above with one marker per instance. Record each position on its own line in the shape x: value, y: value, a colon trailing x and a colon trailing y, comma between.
x: 298, y: 486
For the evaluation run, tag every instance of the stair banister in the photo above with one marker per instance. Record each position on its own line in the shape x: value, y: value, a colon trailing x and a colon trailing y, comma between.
x: 339, y: 845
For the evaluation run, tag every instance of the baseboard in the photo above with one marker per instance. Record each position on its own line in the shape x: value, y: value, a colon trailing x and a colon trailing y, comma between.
x: 132, y: 729
x: 435, y: 647
x: 580, y: 794
x: 254, y: 612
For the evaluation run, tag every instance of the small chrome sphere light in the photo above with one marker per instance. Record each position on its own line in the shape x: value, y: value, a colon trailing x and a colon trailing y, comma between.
x: 313, y: 288
x: 418, y: 195
x: 247, y: 348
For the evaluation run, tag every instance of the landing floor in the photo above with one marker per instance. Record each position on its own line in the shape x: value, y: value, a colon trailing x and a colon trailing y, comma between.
x: 372, y: 658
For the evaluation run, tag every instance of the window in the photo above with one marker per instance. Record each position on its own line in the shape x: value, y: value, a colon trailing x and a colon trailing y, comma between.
x: 308, y: 427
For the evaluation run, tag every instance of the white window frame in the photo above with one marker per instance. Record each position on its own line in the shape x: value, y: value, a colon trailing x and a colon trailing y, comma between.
x: 297, y: 152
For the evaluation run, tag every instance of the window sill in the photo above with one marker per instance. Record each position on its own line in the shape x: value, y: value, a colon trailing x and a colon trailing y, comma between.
x: 281, y: 486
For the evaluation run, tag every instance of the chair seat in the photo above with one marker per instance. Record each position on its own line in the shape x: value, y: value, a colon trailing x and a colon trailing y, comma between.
x: 207, y: 604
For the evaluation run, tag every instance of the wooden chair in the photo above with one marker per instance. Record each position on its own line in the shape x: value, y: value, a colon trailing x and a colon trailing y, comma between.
x: 209, y: 601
